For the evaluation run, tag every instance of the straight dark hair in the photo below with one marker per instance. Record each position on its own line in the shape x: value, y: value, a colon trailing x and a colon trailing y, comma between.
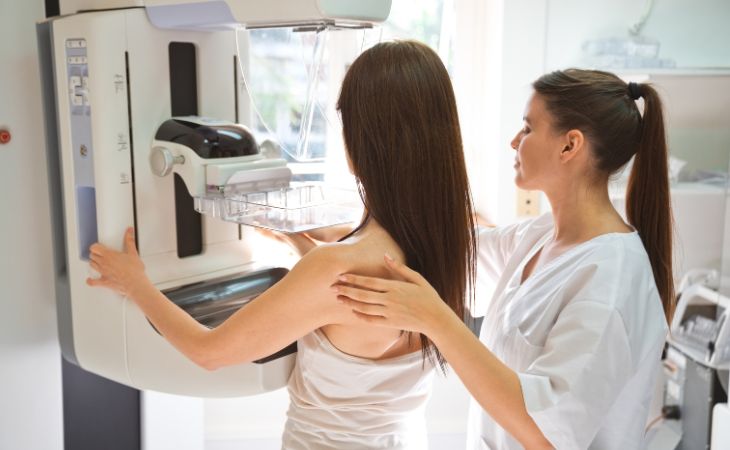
x: 604, y: 108
x: 402, y: 134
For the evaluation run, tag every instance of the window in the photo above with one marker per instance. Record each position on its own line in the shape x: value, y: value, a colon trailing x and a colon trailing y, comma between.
x: 288, y: 68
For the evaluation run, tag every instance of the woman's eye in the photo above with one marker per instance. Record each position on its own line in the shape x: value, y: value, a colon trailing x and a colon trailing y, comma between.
x: 525, y: 130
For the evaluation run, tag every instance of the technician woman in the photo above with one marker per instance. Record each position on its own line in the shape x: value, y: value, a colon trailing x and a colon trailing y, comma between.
x: 571, y: 340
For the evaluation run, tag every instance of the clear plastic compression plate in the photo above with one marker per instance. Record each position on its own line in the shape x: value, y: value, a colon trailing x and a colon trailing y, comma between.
x: 298, y: 207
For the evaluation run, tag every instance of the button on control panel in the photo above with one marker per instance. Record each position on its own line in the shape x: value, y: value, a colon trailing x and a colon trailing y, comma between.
x: 78, y: 76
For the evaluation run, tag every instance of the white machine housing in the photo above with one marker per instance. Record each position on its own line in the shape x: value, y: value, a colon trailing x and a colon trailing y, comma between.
x: 213, y: 14
x: 107, y: 84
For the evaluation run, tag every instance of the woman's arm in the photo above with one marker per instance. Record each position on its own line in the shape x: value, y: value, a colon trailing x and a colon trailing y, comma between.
x: 415, y: 306
x: 294, y: 306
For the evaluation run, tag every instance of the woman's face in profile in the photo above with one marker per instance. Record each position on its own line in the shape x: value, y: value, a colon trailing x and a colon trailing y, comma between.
x: 537, y: 147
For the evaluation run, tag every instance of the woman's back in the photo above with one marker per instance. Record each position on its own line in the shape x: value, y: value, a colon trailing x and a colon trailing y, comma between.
x: 363, y: 253
x: 339, y: 401
x: 357, y: 385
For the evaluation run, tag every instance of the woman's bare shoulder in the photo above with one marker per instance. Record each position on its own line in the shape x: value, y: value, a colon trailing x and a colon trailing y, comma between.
x: 364, y: 256
x: 327, y: 258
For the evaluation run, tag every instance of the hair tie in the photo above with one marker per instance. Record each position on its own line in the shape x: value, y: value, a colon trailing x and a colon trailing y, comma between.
x: 634, y: 90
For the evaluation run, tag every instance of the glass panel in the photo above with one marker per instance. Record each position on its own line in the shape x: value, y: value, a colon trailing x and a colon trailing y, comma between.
x: 213, y: 301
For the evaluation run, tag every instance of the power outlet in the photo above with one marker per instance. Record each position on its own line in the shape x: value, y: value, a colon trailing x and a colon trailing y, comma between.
x: 528, y: 203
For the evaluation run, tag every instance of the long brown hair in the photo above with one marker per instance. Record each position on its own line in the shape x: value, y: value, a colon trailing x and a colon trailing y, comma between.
x: 603, y: 107
x: 401, y: 132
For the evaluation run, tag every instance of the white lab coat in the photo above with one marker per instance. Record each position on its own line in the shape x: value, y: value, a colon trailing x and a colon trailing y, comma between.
x: 584, y: 334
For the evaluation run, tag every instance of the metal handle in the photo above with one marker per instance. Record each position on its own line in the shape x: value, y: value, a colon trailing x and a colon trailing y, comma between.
x: 162, y: 160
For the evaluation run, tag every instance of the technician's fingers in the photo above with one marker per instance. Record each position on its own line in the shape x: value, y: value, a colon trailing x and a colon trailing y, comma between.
x: 371, y: 283
x: 373, y: 320
x: 361, y: 295
x: 362, y: 307
x: 405, y: 271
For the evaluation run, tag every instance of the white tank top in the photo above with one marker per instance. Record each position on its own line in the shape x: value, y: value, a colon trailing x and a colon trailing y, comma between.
x: 339, y: 401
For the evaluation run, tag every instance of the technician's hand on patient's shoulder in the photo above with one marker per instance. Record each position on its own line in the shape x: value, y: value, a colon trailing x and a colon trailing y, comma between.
x: 411, y: 305
x: 121, y: 271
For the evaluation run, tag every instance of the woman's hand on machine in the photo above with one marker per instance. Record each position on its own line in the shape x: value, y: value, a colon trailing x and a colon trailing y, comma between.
x: 121, y: 271
x: 411, y: 305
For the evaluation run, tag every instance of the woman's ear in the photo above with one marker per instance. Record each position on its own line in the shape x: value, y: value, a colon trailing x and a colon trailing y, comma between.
x: 574, y: 145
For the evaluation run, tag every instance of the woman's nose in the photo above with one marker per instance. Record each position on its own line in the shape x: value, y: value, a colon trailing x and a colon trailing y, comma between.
x: 515, y: 142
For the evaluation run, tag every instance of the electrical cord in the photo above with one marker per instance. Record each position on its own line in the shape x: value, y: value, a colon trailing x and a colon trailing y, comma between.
x: 668, y: 412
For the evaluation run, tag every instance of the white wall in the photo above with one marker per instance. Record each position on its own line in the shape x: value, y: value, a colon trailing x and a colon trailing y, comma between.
x: 693, y: 33
x: 30, y: 372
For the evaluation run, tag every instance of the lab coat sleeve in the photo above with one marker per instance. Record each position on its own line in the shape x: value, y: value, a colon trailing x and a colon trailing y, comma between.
x: 495, y: 246
x: 584, y: 365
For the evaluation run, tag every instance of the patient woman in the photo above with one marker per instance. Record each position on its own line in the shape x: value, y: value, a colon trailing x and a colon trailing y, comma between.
x: 354, y: 385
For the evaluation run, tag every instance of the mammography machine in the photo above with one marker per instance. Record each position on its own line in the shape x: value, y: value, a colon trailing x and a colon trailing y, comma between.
x: 143, y: 102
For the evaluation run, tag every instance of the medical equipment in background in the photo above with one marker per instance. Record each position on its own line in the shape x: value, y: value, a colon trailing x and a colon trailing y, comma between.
x: 634, y: 50
x: 129, y: 88
x: 697, y: 358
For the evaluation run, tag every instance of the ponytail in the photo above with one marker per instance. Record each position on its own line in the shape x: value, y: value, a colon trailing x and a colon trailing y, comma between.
x: 648, y: 205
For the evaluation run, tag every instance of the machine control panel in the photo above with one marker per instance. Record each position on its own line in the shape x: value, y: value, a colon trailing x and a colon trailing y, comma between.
x: 77, y: 65
x: 77, y: 71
